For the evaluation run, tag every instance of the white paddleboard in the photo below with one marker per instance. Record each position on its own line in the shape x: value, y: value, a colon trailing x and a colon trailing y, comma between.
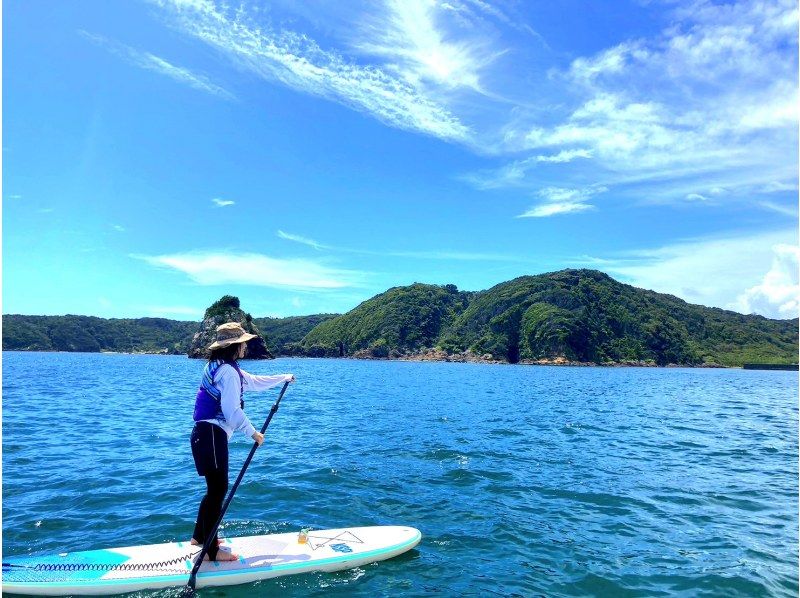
x: 119, y: 570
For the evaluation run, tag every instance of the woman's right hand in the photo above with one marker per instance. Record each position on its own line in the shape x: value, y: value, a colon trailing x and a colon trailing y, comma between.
x: 258, y: 437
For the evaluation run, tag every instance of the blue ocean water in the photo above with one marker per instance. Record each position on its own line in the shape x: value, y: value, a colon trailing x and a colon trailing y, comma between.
x: 524, y: 480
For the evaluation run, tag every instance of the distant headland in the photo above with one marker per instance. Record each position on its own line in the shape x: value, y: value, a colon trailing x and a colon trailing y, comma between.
x: 569, y: 317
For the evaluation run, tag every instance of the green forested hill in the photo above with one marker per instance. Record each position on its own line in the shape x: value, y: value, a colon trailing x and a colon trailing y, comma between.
x: 573, y: 315
x: 282, y: 333
x: 578, y: 315
x: 401, y: 319
x: 585, y: 315
x: 147, y: 335
x: 90, y: 334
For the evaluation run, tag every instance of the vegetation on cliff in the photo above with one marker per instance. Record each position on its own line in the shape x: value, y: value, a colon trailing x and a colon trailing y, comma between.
x: 571, y: 315
x: 566, y: 316
x: 227, y: 309
x: 90, y: 334
x: 400, y: 320
x: 283, y: 334
x: 585, y: 315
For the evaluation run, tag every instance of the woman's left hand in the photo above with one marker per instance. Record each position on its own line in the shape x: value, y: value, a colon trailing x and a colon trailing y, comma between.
x: 291, y: 379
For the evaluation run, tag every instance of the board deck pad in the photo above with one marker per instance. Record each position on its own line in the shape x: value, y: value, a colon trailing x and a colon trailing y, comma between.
x: 133, y: 568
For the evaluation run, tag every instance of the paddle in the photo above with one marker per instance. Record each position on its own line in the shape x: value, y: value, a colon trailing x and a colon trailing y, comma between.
x: 193, y: 576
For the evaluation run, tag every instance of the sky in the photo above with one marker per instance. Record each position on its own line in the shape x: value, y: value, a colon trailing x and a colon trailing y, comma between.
x: 306, y: 156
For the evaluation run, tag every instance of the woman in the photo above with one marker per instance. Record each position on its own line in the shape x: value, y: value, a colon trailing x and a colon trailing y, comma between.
x: 218, y: 413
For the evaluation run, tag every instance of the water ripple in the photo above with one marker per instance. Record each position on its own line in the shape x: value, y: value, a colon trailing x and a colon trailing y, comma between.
x: 525, y: 481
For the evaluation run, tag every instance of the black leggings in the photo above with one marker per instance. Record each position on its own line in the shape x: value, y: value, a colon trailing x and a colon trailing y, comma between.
x: 210, y: 452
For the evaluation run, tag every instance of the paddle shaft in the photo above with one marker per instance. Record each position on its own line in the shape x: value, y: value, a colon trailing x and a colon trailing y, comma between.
x: 211, y: 536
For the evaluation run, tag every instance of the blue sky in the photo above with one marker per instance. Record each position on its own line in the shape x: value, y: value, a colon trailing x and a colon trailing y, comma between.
x: 307, y: 156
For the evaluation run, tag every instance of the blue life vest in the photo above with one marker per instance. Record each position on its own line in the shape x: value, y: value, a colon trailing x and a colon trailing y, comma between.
x: 208, y: 402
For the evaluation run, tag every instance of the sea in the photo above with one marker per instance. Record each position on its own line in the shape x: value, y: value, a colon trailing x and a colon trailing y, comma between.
x: 524, y: 480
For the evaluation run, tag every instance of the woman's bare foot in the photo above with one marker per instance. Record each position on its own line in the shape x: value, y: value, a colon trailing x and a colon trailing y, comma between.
x: 223, y: 555
x: 196, y: 543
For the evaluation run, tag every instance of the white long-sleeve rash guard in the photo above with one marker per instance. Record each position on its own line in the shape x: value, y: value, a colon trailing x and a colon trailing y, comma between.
x: 227, y: 380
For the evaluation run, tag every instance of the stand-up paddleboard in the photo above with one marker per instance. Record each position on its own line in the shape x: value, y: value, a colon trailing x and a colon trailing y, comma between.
x: 119, y: 570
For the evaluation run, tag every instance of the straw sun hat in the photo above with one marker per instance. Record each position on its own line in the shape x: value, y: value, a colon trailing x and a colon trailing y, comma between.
x: 230, y: 334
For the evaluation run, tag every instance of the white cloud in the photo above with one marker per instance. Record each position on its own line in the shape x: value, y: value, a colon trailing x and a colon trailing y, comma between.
x: 182, y: 75
x: 696, y: 197
x: 151, y: 62
x: 716, y: 41
x: 565, y: 156
x: 14, y: 196
x: 786, y: 210
x: 223, y: 267
x: 298, y: 62
x: 718, y: 272
x: 559, y: 200
x: 515, y: 173
x: 624, y: 135
x: 710, y: 101
x: 412, y: 40
x: 713, y: 98
x: 476, y: 14
x: 510, y: 175
x: 118, y: 228
x: 778, y: 293
x: 553, y: 208
x: 425, y: 255
x: 611, y: 61
x: 302, y: 240
x: 568, y: 195
x: 221, y: 203
x: 778, y: 187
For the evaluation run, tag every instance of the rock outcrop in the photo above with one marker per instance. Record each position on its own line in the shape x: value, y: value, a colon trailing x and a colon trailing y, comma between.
x: 227, y: 309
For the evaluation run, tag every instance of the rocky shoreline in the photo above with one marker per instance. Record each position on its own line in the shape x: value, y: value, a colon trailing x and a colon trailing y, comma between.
x: 470, y: 357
